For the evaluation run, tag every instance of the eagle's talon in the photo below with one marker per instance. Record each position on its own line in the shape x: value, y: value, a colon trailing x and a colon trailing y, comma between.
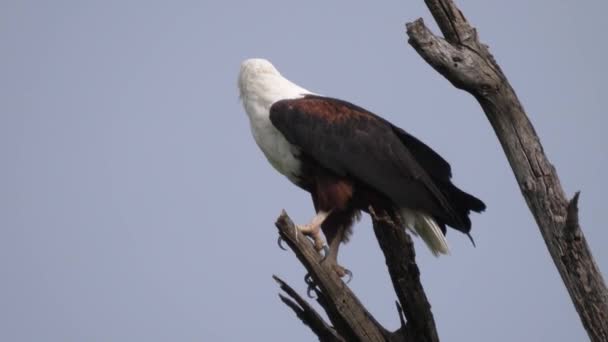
x: 280, y: 243
x: 313, y: 230
x: 348, y: 273
x: 310, y: 289
x: 311, y: 285
x: 341, y: 272
x: 325, y: 253
x: 308, y: 279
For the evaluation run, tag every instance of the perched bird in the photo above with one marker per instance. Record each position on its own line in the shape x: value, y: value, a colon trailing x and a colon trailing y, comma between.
x: 350, y: 159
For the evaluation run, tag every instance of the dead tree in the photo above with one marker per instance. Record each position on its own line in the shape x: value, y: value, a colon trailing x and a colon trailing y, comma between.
x: 467, y: 63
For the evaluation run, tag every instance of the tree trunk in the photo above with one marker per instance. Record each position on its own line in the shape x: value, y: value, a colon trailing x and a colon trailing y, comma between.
x: 467, y: 64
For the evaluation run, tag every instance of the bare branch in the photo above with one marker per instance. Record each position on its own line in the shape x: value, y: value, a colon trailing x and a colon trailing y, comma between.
x: 400, y: 257
x: 307, y: 314
x: 451, y: 22
x: 467, y: 64
x: 349, y: 317
x: 572, y: 226
x: 466, y: 68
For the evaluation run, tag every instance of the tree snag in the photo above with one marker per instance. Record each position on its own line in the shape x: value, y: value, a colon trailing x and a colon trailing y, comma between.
x: 467, y: 63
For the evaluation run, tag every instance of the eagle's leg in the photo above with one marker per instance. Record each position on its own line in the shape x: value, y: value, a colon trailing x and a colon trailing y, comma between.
x: 313, y: 229
x: 334, y: 238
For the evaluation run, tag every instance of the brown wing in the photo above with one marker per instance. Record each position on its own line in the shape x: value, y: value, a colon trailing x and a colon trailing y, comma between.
x: 352, y: 141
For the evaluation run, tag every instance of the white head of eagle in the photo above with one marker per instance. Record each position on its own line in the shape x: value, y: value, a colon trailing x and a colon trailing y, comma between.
x: 350, y: 159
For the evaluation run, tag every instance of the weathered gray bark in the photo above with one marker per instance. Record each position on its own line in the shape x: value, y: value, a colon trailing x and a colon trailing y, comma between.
x: 350, y: 320
x: 348, y: 316
x: 400, y: 256
x: 307, y: 314
x: 467, y: 63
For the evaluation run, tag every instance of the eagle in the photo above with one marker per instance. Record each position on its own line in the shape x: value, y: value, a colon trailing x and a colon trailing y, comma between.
x: 350, y: 160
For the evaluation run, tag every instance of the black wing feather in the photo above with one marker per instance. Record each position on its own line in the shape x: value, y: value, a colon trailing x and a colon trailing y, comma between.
x: 432, y: 162
x: 351, y: 141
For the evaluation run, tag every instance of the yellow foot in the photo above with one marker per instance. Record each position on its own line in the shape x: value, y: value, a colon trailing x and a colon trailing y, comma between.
x: 314, y: 232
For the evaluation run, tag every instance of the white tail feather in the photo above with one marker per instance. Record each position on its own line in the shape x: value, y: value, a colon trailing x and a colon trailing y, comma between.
x: 424, y: 226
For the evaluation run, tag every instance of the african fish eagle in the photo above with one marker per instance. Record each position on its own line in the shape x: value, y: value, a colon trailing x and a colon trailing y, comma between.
x: 350, y: 159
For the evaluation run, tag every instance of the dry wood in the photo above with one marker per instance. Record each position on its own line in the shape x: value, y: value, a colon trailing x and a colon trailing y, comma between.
x: 349, y: 317
x: 467, y: 64
x: 307, y: 314
x: 351, y: 321
x: 400, y: 256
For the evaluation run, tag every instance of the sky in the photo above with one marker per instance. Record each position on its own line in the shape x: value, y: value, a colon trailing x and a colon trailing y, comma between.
x: 135, y: 205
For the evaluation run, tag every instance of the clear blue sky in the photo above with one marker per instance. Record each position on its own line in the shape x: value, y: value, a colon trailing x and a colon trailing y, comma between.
x: 135, y: 206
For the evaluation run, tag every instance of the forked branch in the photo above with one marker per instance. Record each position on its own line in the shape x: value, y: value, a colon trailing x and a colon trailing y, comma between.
x: 349, y: 317
x: 467, y: 63
x: 350, y: 320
